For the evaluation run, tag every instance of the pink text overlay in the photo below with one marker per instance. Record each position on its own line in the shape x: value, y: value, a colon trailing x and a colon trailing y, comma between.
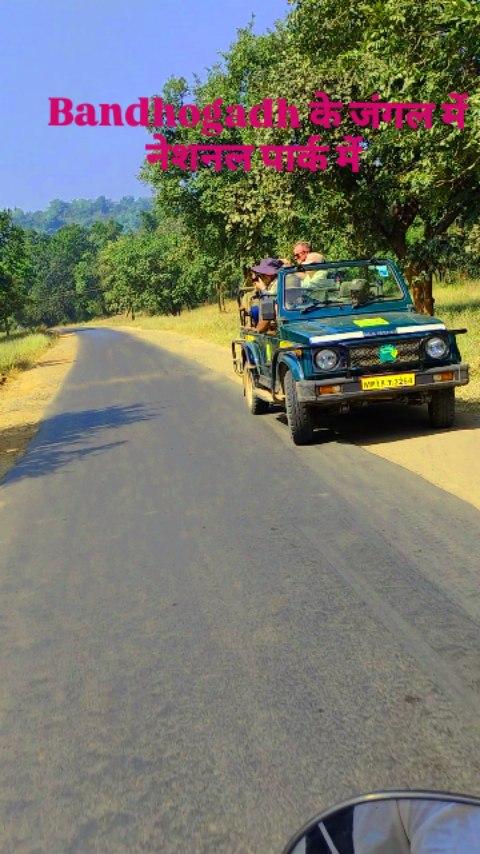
x: 216, y: 118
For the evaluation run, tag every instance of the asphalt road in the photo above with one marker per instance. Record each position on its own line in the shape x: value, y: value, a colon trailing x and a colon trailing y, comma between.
x: 208, y: 634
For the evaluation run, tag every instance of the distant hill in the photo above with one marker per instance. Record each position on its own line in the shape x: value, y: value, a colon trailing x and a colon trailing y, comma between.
x: 83, y: 212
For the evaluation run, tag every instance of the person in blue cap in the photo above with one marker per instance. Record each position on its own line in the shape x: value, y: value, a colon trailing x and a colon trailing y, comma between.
x: 266, y: 271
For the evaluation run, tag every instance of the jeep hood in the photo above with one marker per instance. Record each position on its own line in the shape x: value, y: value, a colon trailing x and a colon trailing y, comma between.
x: 354, y: 326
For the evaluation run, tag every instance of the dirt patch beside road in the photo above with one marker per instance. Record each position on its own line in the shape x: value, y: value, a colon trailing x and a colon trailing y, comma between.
x: 449, y: 459
x: 24, y: 397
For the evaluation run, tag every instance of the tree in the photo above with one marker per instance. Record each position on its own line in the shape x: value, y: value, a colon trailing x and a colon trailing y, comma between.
x: 407, y: 51
x: 158, y: 270
x: 53, y: 296
x: 127, y: 211
x: 411, y: 182
x: 134, y: 276
x: 90, y: 297
x: 14, y: 271
x: 472, y: 248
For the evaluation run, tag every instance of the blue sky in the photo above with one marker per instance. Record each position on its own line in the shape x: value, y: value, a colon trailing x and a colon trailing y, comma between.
x: 94, y: 51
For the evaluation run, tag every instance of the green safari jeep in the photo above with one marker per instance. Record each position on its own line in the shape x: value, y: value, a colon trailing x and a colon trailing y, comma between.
x: 342, y: 335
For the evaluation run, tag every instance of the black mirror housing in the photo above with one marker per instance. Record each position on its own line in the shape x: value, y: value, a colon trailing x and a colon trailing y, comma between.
x: 443, y: 820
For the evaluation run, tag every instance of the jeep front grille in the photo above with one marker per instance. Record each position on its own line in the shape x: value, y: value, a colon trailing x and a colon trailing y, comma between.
x: 368, y: 355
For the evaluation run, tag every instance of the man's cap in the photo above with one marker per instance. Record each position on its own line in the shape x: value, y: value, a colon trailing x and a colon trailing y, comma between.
x: 268, y: 266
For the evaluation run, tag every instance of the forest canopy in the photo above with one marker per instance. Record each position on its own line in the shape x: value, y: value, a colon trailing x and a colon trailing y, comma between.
x: 416, y: 192
x: 127, y: 211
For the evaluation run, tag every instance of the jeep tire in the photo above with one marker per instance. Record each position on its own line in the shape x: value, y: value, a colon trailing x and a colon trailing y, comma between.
x: 298, y: 414
x: 256, y: 405
x: 441, y: 408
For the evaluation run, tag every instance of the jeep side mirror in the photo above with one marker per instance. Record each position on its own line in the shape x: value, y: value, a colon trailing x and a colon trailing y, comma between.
x: 267, y: 309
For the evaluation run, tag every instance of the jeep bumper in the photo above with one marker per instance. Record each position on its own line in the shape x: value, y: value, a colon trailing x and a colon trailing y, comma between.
x: 343, y: 389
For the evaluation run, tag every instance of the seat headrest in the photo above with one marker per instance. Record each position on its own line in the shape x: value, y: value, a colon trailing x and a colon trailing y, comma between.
x: 352, y: 285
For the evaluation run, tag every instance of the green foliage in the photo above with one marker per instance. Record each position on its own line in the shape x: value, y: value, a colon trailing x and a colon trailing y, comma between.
x: 86, y: 274
x: 410, y: 180
x: 152, y: 271
x: 127, y: 212
x: 66, y: 284
x: 53, y: 296
x: 472, y: 246
x: 14, y: 271
x: 407, y: 51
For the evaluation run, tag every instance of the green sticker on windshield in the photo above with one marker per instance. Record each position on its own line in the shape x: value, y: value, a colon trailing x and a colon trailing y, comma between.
x: 371, y: 321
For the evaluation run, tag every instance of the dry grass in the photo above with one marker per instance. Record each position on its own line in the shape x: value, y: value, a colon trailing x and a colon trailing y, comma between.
x: 21, y: 350
x: 26, y: 394
x: 205, y: 322
x: 458, y: 305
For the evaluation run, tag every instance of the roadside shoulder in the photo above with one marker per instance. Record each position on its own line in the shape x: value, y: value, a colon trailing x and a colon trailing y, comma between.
x: 25, y: 396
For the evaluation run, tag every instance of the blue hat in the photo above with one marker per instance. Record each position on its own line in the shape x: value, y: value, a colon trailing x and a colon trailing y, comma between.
x: 268, y: 266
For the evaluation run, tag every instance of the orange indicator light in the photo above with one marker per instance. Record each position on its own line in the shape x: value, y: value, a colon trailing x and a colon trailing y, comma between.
x: 328, y: 389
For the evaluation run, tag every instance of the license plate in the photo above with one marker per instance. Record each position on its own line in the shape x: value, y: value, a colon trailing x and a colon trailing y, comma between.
x: 388, y: 381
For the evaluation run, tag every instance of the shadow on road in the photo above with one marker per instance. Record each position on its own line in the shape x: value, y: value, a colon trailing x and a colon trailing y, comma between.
x: 387, y: 423
x: 68, y: 436
x: 380, y: 424
x: 47, y: 363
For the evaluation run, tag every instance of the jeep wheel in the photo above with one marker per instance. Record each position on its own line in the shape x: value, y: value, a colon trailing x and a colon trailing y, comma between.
x: 256, y: 405
x: 441, y: 409
x: 298, y: 415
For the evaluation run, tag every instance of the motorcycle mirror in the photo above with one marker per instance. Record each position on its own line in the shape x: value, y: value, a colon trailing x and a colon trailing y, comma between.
x: 395, y: 822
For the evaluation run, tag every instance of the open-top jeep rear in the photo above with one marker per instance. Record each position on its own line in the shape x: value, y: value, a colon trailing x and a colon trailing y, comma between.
x: 342, y: 335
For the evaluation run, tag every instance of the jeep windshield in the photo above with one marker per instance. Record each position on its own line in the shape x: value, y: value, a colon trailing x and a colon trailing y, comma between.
x: 313, y: 287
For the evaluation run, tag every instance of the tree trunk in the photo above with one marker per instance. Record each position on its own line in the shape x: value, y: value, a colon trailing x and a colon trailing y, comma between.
x: 428, y: 300
x: 220, y: 298
x: 418, y: 295
x: 415, y: 283
x: 420, y: 282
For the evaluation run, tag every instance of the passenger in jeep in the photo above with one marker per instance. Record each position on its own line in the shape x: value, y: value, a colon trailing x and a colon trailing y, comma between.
x: 267, y: 271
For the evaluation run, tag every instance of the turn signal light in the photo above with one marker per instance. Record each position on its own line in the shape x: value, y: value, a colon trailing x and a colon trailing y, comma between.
x: 445, y: 376
x: 328, y: 389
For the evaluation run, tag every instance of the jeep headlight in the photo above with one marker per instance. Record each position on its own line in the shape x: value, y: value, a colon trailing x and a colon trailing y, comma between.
x: 436, y: 347
x: 326, y: 360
